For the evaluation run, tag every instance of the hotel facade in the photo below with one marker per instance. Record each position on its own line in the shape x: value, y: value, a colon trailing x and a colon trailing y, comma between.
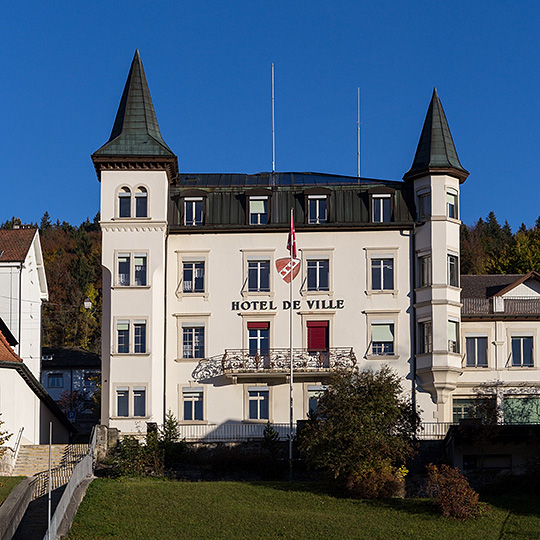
x: 196, y: 307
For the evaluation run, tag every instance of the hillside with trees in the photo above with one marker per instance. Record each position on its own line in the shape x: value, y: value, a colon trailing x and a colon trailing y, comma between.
x: 72, y: 257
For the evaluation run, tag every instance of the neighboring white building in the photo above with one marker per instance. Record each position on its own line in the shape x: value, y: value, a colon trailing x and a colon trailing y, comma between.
x: 25, y: 405
x: 23, y: 288
x: 195, y: 310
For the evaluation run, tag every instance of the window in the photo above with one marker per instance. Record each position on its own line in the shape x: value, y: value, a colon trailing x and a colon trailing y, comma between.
x: 453, y: 336
x: 317, y: 208
x: 55, y: 380
x: 453, y: 271
x: 452, y: 205
x: 125, y: 270
x: 318, y: 275
x: 382, y: 274
x: 382, y: 339
x: 122, y: 331
x: 258, y: 338
x: 193, y: 211
x: 314, y: 392
x: 476, y: 351
x: 258, y: 210
x: 258, y: 403
x: 141, y: 202
x: 469, y: 408
x: 424, y: 207
x: 425, y: 337
x: 521, y: 410
x: 424, y: 270
x: 124, y: 266
x: 193, y: 403
x: 124, y: 203
x: 193, y: 277
x: 139, y: 328
x: 258, y: 276
x: 137, y: 396
x: 124, y: 337
x: 522, y: 351
x: 381, y: 208
x: 122, y: 401
x: 317, y: 337
x: 139, y: 401
x: 193, y: 341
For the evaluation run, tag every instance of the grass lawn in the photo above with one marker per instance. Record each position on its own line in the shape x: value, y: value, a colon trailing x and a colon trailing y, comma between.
x: 9, y: 482
x: 156, y: 509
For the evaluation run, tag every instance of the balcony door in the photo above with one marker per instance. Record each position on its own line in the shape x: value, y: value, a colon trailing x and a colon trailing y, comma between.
x: 317, y: 342
x: 259, y: 342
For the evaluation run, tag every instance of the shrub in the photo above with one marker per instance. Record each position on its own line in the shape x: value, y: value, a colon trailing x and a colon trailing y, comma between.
x: 379, y: 483
x: 451, y: 492
x: 362, y: 430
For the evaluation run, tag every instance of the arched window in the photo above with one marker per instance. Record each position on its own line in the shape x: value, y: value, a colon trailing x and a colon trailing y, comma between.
x: 141, y: 202
x: 124, y: 202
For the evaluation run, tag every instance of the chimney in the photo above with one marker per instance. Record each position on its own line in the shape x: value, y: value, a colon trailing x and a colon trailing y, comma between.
x: 16, y: 223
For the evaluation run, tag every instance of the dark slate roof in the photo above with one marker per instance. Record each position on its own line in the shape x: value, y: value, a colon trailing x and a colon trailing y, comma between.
x: 267, y: 179
x: 69, y: 357
x: 436, y: 151
x: 486, y: 286
x: 15, y: 243
x: 136, y: 130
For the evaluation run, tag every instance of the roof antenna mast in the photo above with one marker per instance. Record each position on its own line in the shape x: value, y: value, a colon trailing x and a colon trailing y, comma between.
x: 273, y: 130
x: 358, y: 133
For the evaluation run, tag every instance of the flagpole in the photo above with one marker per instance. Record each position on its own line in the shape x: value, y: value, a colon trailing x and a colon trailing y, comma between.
x: 291, y: 351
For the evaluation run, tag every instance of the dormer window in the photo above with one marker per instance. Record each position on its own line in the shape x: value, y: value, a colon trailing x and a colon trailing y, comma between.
x: 381, y: 207
x: 141, y: 202
x: 258, y: 210
x: 193, y: 211
x: 124, y: 203
x: 317, y: 208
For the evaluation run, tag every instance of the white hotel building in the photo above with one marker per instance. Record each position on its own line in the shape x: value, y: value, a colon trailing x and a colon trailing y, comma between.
x: 196, y: 313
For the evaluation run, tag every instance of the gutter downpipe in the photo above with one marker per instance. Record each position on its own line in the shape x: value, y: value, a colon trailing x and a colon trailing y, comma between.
x: 165, y: 306
x: 20, y: 309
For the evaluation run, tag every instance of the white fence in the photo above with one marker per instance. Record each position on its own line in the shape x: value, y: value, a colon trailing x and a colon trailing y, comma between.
x: 231, y: 431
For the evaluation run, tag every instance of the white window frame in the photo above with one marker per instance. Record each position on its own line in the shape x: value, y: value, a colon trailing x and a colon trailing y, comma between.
x: 191, y: 320
x: 250, y: 255
x: 452, y: 259
x: 315, y: 200
x: 132, y: 193
x: 425, y: 269
x: 381, y: 260
x: 196, y: 256
x: 131, y: 389
x: 423, y: 212
x: 132, y: 255
x: 192, y: 291
x: 454, y: 345
x: 309, y: 389
x: 475, y: 337
x: 256, y: 199
x: 374, y: 318
x: 425, y: 338
x: 257, y: 388
x: 316, y: 254
x: 183, y: 391
x: 378, y: 199
x: 378, y: 253
x: 454, y: 203
x: 522, y: 337
x: 131, y: 322
x: 193, y: 201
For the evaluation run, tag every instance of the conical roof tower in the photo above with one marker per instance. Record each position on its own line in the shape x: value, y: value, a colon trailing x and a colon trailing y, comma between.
x: 436, y: 153
x: 135, y: 136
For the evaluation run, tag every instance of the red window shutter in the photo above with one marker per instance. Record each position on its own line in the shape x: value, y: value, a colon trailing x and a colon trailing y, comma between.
x: 317, y: 335
x: 258, y: 325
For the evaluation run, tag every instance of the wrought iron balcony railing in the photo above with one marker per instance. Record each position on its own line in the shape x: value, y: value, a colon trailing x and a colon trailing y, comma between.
x: 241, y: 361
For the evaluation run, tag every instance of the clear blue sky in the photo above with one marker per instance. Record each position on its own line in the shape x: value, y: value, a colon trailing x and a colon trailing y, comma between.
x: 208, y: 64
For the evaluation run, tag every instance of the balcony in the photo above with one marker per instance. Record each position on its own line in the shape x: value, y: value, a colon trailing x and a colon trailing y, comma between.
x: 307, y: 365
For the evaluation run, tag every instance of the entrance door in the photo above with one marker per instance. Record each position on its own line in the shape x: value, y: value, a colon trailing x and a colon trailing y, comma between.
x: 259, y: 342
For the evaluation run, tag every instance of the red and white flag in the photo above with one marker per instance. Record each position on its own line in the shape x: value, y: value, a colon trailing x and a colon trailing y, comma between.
x: 291, y: 242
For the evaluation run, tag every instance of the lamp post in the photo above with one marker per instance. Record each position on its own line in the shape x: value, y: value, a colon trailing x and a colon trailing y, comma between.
x: 87, y: 306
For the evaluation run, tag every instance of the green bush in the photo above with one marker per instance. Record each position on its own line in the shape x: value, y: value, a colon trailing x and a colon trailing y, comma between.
x: 451, y: 493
